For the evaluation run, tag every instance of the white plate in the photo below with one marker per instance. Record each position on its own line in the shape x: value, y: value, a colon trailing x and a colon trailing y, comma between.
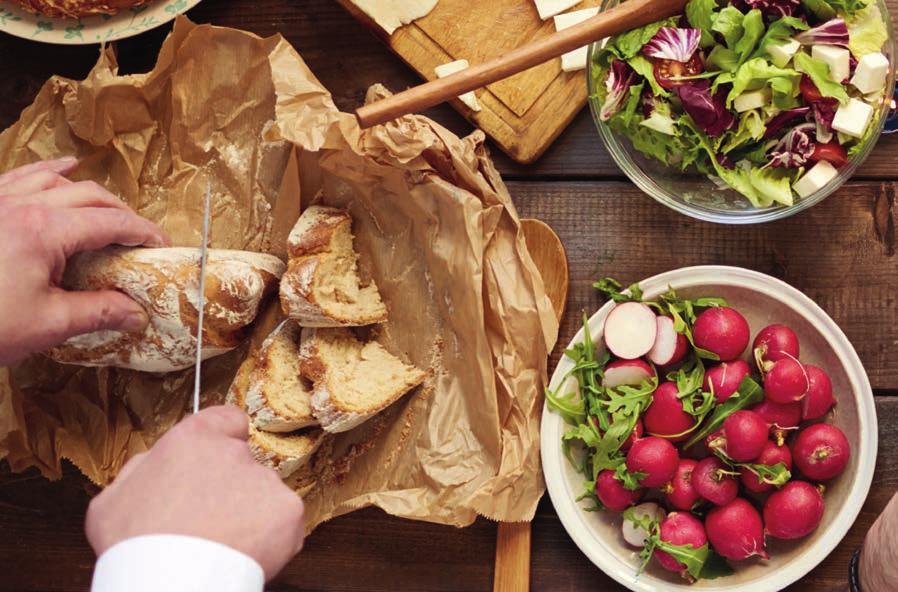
x: 92, y: 29
x: 763, y: 300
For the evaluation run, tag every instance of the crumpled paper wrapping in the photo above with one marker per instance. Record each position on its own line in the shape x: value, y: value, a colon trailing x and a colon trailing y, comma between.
x: 434, y: 223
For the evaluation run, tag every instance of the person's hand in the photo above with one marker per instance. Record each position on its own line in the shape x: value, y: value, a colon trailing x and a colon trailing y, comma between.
x: 878, y: 568
x: 44, y: 220
x: 200, y: 479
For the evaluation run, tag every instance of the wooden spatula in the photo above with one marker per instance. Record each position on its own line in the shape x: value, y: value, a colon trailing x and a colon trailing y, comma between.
x: 512, y: 572
x: 626, y: 15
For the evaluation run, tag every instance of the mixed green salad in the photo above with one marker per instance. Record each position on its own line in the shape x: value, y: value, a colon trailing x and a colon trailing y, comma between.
x: 768, y: 97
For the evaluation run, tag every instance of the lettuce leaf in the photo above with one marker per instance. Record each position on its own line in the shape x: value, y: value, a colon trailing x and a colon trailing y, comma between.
x: 661, y: 120
x: 820, y: 75
x: 772, y: 185
x: 757, y: 73
x: 866, y: 31
x: 729, y: 25
x: 702, y: 14
x: 626, y: 45
x: 723, y: 58
x: 646, y: 69
x: 827, y: 9
x: 779, y: 31
x: 753, y: 30
x: 751, y: 128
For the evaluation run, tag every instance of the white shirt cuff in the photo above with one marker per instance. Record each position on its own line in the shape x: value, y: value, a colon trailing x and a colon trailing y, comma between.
x: 175, y: 563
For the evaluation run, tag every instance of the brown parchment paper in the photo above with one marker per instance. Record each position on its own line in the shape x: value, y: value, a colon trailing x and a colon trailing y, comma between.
x: 436, y: 229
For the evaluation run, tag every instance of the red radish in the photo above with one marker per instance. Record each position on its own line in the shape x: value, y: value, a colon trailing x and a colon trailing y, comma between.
x: 656, y: 458
x: 744, y: 435
x: 680, y: 528
x: 679, y: 492
x: 771, y: 455
x: 630, y: 330
x: 627, y: 372
x: 724, y: 379
x: 786, y: 381
x: 665, y: 417
x: 634, y: 435
x: 636, y: 535
x: 772, y: 343
x: 670, y: 347
x: 613, y: 494
x: 723, y: 331
x: 793, y: 511
x: 821, y: 452
x: 779, y: 417
x: 714, y: 482
x: 819, y: 399
x: 736, y: 531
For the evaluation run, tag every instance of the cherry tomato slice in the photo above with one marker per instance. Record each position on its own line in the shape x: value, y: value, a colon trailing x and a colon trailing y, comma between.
x: 831, y: 152
x: 809, y: 91
x: 665, y: 70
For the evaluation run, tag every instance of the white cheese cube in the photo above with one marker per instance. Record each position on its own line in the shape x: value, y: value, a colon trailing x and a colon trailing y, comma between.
x: 815, y: 179
x: 781, y: 54
x: 444, y: 70
x: 870, y: 74
x: 853, y: 118
x: 751, y: 100
x: 837, y: 58
x: 549, y: 8
x: 576, y: 59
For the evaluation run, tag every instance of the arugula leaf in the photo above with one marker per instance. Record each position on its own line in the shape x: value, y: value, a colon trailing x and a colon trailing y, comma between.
x: 776, y: 475
x: 749, y: 393
x: 820, y: 75
x: 629, y: 480
x: 715, y: 567
x: 569, y: 406
x: 693, y: 558
x: 702, y: 15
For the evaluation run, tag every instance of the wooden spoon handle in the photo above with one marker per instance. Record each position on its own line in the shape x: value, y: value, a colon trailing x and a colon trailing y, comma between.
x: 624, y: 16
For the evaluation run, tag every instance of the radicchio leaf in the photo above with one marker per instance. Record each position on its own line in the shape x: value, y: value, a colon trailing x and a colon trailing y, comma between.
x: 709, y: 112
x: 832, y: 32
x: 785, y: 117
x: 617, y: 83
x: 648, y: 102
x: 673, y: 43
x: 774, y: 8
x: 794, y: 149
x: 824, y: 112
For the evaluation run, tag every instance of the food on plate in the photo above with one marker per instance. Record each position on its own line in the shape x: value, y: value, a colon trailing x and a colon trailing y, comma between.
x: 769, y: 99
x: 165, y: 282
x: 352, y: 380
x: 444, y: 70
x: 278, y: 399
x: 392, y: 14
x: 77, y: 8
x: 718, y: 437
x: 574, y: 60
x: 322, y: 286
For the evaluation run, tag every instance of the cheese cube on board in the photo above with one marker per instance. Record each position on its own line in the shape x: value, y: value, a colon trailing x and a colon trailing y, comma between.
x: 444, y: 70
x: 576, y: 59
x: 815, y: 179
x: 549, y: 8
x: 751, y: 100
x: 781, y: 54
x: 853, y: 118
x: 837, y: 58
x: 870, y: 74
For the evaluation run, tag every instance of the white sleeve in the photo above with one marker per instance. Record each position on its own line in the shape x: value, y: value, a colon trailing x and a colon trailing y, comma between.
x: 175, y: 563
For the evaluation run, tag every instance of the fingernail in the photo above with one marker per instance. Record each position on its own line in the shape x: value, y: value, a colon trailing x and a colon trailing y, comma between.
x: 135, y: 321
x: 69, y: 160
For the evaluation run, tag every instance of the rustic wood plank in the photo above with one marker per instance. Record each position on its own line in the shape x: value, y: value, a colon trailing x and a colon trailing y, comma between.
x: 840, y: 253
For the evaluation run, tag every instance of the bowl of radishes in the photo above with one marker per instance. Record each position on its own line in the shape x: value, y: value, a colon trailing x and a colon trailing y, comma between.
x: 708, y: 428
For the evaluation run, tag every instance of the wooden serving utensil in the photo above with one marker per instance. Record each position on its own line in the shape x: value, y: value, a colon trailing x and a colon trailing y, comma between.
x: 512, y: 570
x: 626, y: 15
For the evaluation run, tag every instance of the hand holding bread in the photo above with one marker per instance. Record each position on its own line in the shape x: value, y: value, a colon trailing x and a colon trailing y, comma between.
x: 44, y: 220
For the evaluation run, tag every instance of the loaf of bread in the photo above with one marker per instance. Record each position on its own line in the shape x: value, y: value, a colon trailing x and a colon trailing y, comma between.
x: 166, y: 283
x: 278, y: 399
x: 352, y: 380
x: 284, y: 453
x: 322, y: 287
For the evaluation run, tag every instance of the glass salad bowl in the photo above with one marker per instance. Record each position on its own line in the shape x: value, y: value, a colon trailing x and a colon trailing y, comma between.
x: 694, y: 194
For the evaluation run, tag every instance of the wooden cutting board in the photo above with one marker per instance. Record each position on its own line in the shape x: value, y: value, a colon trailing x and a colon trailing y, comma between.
x: 523, y: 114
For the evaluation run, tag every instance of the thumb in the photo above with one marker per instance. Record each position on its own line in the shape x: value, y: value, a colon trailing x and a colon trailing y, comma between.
x: 77, y: 313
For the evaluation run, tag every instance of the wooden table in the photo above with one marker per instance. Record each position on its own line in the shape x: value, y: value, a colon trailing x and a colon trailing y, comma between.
x: 842, y: 253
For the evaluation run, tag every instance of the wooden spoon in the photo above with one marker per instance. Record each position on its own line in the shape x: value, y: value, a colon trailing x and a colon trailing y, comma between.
x: 512, y: 573
x: 624, y: 16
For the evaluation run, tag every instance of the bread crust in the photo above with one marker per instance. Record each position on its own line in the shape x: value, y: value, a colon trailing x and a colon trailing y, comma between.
x: 166, y: 283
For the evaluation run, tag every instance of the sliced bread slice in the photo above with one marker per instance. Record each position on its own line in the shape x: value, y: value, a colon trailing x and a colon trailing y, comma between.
x: 352, y: 380
x: 278, y: 399
x: 285, y: 453
x: 322, y: 286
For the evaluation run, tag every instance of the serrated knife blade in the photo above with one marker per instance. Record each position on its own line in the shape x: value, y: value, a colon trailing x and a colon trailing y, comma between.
x: 201, y: 300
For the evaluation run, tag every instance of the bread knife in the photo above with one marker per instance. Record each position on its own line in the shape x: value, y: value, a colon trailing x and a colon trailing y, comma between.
x: 201, y: 300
